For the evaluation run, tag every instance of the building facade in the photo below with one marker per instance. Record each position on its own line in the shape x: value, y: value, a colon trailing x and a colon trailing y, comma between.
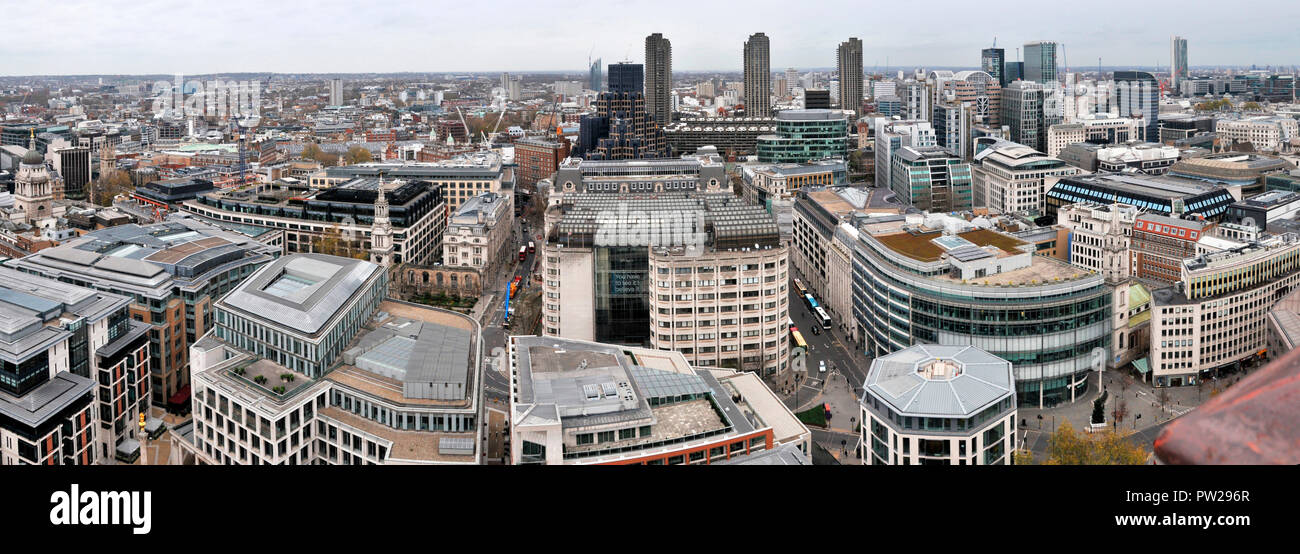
x: 939, y: 405
x: 585, y: 403
x: 310, y: 365
x: 1217, y: 317
x: 848, y: 60
x: 173, y: 272
x: 944, y: 281
x: 758, y: 76
x: 806, y: 135
x: 659, y: 79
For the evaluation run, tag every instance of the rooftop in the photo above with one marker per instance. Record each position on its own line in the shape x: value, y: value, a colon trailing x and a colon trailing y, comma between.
x: 423, y: 354
x: 940, y: 381
x: 927, y: 246
x: 147, y: 258
x: 47, y: 400
x: 302, y: 292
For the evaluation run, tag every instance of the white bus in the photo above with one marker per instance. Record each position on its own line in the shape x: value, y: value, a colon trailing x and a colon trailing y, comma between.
x: 826, y: 319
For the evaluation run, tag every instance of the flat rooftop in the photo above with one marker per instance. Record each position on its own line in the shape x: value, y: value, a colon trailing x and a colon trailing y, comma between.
x: 47, y: 400
x: 1161, y: 186
x: 302, y: 292
x: 407, y: 445
x: 921, y: 246
x: 413, y: 358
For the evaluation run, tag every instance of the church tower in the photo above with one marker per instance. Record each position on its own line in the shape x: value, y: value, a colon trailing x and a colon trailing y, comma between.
x: 33, y: 191
x: 381, y: 231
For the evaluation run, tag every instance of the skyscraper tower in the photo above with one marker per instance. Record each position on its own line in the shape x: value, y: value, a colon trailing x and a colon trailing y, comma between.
x: 659, y: 79
x: 849, y: 62
x: 1177, y: 61
x: 594, y: 80
x: 993, y: 61
x: 1137, y: 95
x: 1040, y: 62
x: 758, y: 77
x: 626, y: 78
x: 336, y: 92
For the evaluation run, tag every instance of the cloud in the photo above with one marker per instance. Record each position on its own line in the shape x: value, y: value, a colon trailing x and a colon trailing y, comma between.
x: 139, y: 37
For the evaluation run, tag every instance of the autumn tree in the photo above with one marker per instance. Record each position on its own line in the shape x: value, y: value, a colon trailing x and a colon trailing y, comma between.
x: 1022, y: 458
x: 110, y: 185
x: 312, y: 151
x: 333, y: 242
x: 357, y: 155
x: 1068, y: 447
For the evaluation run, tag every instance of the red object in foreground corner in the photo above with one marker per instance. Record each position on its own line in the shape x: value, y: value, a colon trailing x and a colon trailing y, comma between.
x: 1251, y: 422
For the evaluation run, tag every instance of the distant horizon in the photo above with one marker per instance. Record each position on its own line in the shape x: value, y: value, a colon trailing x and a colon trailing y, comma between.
x: 118, y: 37
x: 867, y: 71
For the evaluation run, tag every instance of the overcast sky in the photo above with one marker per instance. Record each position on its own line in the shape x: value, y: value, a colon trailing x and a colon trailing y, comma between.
x: 323, y: 36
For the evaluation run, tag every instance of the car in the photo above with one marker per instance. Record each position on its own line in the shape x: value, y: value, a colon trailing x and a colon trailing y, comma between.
x: 816, y: 330
x: 822, y: 366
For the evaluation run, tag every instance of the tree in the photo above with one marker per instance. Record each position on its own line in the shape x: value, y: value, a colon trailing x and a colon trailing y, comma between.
x: 1120, y: 411
x: 1022, y: 458
x: 312, y: 151
x: 110, y: 185
x: 333, y: 243
x: 1251, y: 106
x: 1068, y: 447
x: 357, y: 155
x: 1162, y: 396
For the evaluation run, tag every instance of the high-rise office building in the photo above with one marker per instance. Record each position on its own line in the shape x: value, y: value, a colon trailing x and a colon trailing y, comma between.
x: 849, y: 61
x: 1022, y: 112
x: 816, y: 99
x: 1040, y: 62
x: 594, y: 77
x: 622, y: 128
x: 336, y: 92
x: 758, y: 77
x: 1177, y: 61
x: 993, y: 61
x: 1015, y: 71
x: 73, y: 164
x: 1137, y: 95
x: 659, y: 79
x: 627, y: 78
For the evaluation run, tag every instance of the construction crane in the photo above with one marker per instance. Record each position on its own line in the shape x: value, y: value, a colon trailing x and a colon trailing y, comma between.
x: 463, y: 124
x: 487, y: 139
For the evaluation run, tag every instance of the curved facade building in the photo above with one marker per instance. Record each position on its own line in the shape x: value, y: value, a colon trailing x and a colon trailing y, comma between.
x: 805, y: 135
x: 934, y: 279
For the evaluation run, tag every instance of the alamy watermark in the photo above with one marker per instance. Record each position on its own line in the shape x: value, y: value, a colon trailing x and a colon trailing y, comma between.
x: 214, y: 98
x: 660, y: 228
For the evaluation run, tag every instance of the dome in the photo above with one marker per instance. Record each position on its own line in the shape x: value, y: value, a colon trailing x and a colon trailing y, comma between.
x: 32, y: 157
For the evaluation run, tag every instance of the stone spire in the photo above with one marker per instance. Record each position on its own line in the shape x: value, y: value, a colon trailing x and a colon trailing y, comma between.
x: 381, y: 230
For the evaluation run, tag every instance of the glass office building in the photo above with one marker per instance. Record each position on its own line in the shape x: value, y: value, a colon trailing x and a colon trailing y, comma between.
x: 1137, y: 94
x: 1049, y: 319
x: 805, y: 135
x: 621, y: 294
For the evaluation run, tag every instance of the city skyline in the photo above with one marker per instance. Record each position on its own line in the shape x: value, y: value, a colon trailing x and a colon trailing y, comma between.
x: 415, y: 38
